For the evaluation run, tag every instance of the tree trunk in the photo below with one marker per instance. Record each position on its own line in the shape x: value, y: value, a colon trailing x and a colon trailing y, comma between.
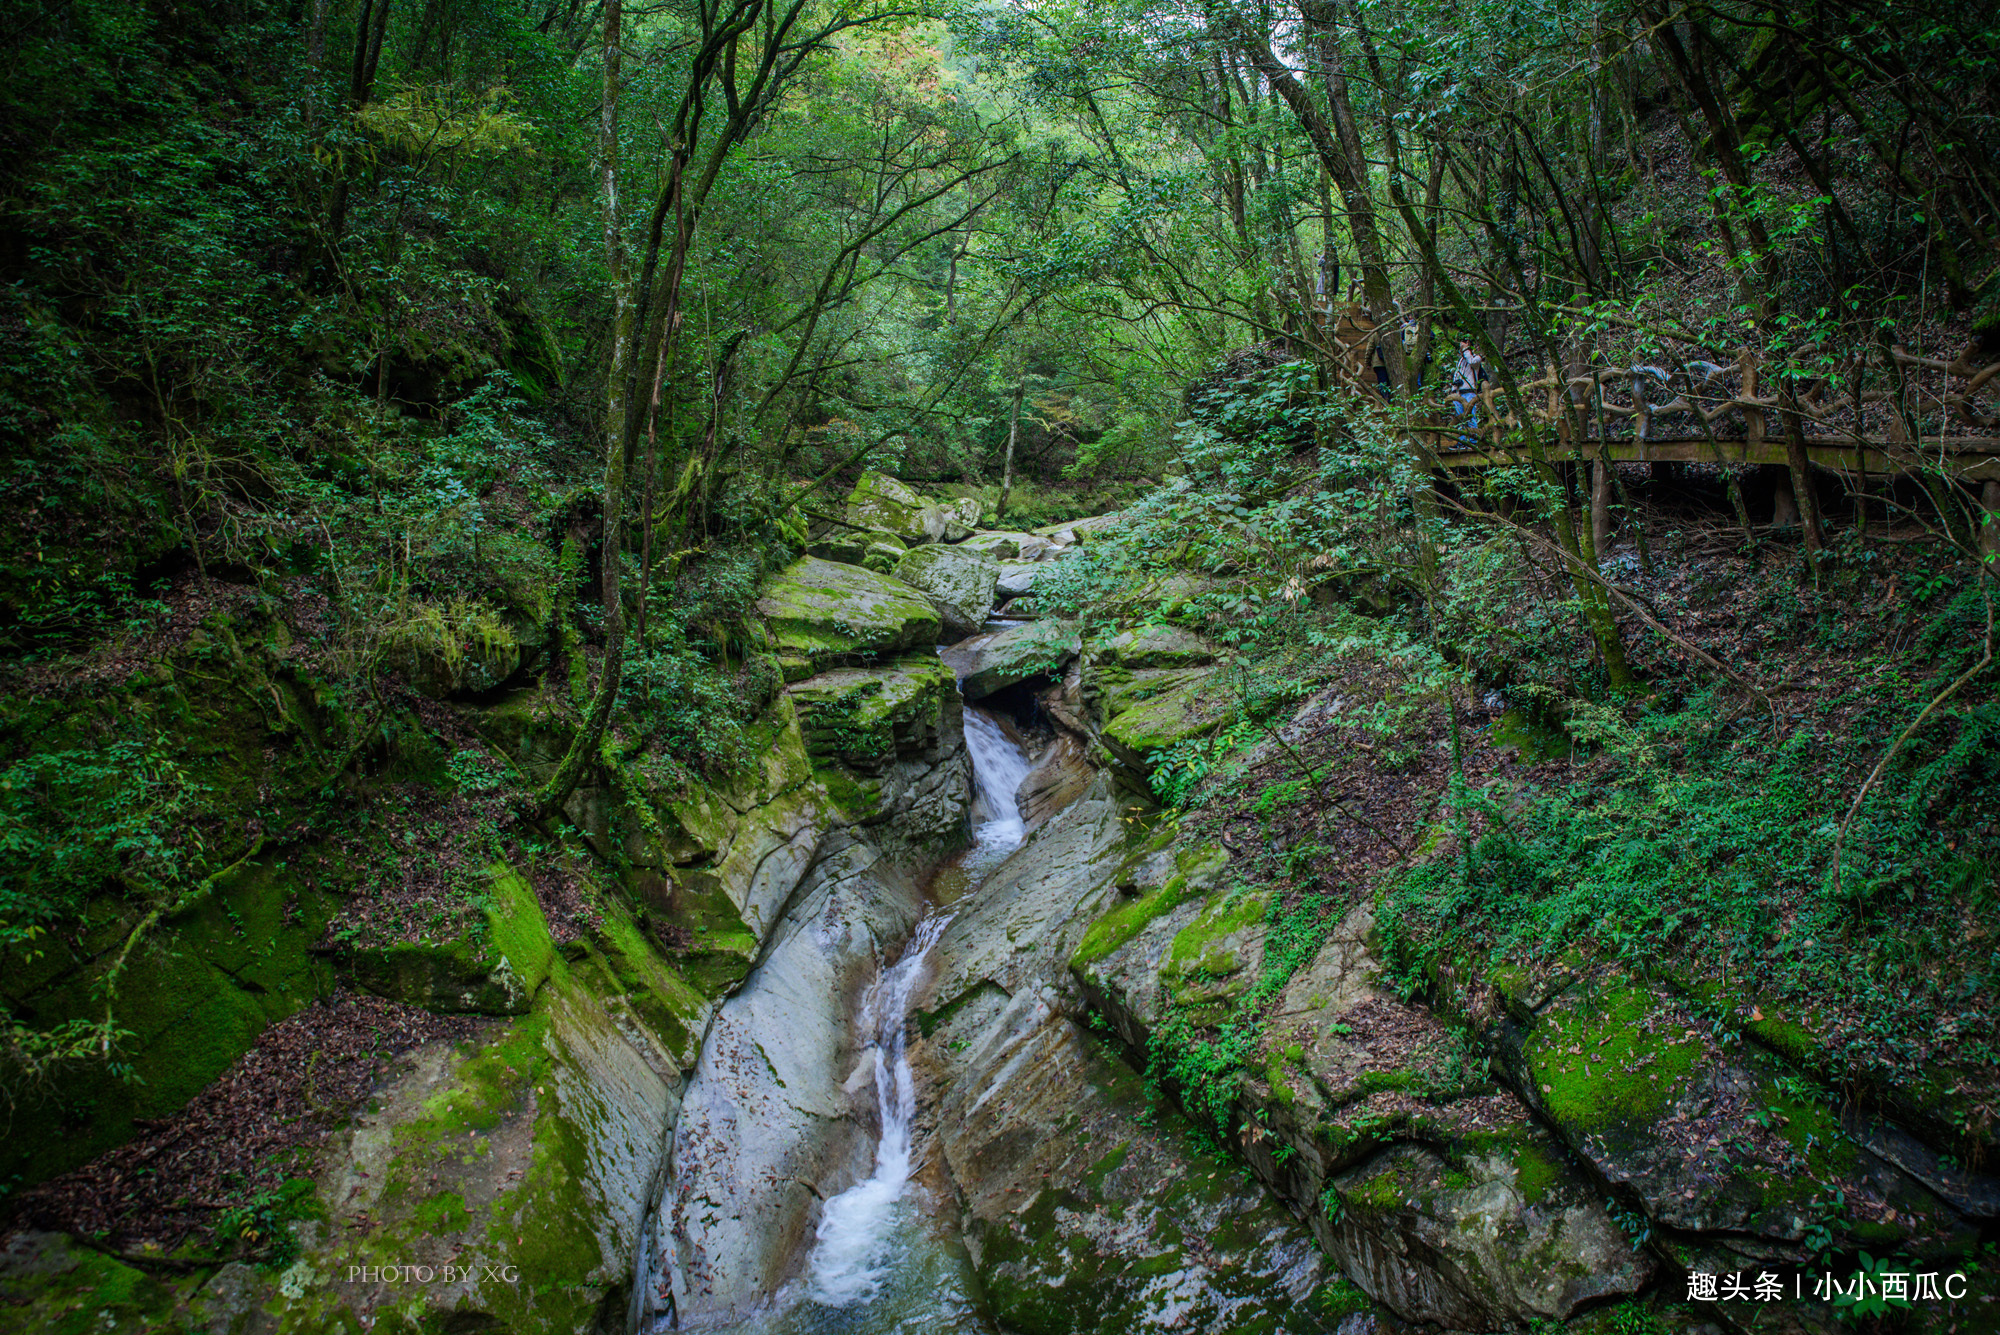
x: 1013, y: 432
x: 1600, y: 505
x: 588, y: 738
x: 1784, y: 498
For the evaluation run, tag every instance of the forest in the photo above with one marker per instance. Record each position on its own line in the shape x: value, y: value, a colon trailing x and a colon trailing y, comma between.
x: 1024, y: 668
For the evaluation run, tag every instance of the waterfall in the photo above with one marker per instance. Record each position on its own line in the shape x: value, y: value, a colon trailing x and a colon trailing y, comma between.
x: 997, y: 770
x: 850, y: 1254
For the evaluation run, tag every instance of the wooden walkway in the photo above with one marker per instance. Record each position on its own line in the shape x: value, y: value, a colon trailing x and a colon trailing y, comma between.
x: 1855, y: 422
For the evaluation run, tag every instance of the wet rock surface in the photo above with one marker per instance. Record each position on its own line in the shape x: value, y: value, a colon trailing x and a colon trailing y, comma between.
x: 768, y: 1126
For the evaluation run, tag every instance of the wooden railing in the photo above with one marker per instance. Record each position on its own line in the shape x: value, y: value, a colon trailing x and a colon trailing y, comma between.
x: 1858, y: 421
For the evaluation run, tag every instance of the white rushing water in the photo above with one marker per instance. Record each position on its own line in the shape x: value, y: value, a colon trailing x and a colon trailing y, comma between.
x: 851, y: 1253
x: 997, y: 770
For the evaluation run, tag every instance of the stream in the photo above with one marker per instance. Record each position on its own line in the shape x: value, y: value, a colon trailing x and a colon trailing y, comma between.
x: 884, y: 1260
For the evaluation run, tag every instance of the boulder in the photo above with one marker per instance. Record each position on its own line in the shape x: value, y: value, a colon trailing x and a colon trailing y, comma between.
x: 852, y: 546
x: 961, y: 519
x: 1155, y: 646
x: 1189, y: 709
x: 1117, y: 690
x: 879, y: 501
x: 1085, y: 1208
x: 1008, y: 545
x: 959, y: 583
x: 986, y: 663
x: 1018, y: 577
x: 1090, y: 1211
x: 890, y: 746
x: 822, y: 613
x: 1058, y: 777
x: 883, y: 554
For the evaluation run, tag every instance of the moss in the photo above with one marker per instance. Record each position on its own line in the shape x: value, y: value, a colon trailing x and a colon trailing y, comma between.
x: 1158, y: 723
x: 669, y: 1004
x: 70, y: 1290
x: 196, y: 992
x: 1381, y: 1192
x: 856, y: 800
x: 1594, y: 1066
x: 1127, y: 920
x: 1093, y: 1180
x: 1202, y: 944
x: 1537, y: 1172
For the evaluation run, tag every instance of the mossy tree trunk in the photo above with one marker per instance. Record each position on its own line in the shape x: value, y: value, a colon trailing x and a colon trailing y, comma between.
x: 616, y: 411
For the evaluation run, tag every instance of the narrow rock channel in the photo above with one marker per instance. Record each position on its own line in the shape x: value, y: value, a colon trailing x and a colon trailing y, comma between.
x: 760, y: 1149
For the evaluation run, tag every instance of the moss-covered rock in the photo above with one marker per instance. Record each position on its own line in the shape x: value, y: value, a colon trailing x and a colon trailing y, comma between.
x: 822, y: 614
x: 1001, y: 658
x: 194, y: 993
x: 1156, y: 646
x: 495, y: 970
x: 879, y: 501
x: 961, y: 518
x: 1189, y: 709
x: 1088, y: 1212
x: 864, y: 718
x: 1008, y: 545
x: 1708, y: 1140
x: 497, y: 1185
x: 853, y: 546
x: 959, y: 583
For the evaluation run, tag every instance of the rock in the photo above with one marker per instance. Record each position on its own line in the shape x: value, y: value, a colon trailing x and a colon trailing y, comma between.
x: 495, y: 971
x: 852, y: 546
x: 865, y: 718
x: 879, y: 501
x: 722, y: 859
x: 1705, y: 1140
x: 1190, y: 709
x: 1020, y: 927
x: 1089, y: 1213
x: 767, y: 1128
x: 1059, y: 776
x: 883, y: 554
x: 1155, y: 646
x: 823, y: 614
x: 890, y: 746
x: 1082, y: 1206
x: 1076, y: 530
x: 514, y: 1171
x: 961, y: 519
x: 1007, y: 545
x: 1018, y: 577
x: 1117, y: 690
x: 1439, y: 1197
x: 1000, y: 658
x: 958, y: 582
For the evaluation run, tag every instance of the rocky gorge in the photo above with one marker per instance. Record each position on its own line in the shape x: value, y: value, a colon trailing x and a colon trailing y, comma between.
x: 661, y: 1093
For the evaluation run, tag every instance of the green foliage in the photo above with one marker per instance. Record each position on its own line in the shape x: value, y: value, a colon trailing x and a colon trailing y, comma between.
x: 81, y: 822
x: 262, y: 1225
x: 1694, y: 837
x: 1205, y: 1066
